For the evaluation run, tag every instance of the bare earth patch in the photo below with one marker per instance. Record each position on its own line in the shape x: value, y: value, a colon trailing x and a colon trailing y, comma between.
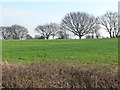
x: 58, y: 75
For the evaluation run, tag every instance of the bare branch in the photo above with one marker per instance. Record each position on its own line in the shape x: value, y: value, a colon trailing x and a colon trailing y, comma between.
x: 79, y: 23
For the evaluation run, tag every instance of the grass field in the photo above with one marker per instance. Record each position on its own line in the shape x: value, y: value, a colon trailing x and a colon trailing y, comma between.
x: 103, y: 51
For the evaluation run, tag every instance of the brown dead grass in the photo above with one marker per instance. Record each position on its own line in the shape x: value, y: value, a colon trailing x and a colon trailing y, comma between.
x: 59, y: 75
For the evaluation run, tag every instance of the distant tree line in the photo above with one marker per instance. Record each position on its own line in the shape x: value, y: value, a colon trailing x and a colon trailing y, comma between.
x: 14, y: 32
x: 79, y: 23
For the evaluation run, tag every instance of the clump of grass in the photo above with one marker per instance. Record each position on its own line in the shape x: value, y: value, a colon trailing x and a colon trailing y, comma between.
x: 59, y: 75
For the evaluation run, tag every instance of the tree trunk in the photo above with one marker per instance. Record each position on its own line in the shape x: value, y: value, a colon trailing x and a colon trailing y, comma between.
x: 53, y: 36
x: 110, y: 35
x: 47, y: 37
x: 80, y: 36
x: 113, y: 35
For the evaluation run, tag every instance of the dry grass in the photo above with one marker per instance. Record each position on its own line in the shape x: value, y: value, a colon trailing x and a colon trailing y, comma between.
x: 59, y: 75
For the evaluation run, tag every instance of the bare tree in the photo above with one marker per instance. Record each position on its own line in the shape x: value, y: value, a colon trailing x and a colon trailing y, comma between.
x: 62, y: 35
x: 88, y: 36
x: 47, y: 30
x: 55, y: 28
x: 38, y: 37
x: 5, y: 32
x: 13, y: 32
x: 95, y: 31
x: 28, y: 36
x: 18, y: 32
x: 79, y: 23
x: 110, y: 22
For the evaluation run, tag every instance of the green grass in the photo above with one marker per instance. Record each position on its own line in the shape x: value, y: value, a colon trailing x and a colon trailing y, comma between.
x: 103, y: 51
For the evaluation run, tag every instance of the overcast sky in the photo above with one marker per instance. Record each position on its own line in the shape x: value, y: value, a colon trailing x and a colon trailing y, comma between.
x: 30, y: 13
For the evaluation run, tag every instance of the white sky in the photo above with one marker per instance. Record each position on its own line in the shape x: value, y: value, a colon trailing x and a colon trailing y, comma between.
x: 59, y: 0
x: 30, y: 13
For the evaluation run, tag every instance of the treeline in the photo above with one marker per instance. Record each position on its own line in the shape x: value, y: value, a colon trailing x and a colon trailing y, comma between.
x: 79, y: 23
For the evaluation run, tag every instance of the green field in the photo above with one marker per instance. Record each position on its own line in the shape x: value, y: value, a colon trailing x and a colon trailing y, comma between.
x: 103, y: 51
